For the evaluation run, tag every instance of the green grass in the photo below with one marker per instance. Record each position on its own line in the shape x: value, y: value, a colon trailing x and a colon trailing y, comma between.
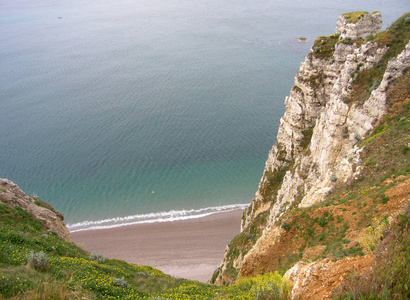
x: 395, y: 37
x: 353, y: 17
x: 241, y: 244
x: 36, y: 264
x: 324, y: 230
x: 324, y: 46
x: 390, y: 277
x: 273, y: 179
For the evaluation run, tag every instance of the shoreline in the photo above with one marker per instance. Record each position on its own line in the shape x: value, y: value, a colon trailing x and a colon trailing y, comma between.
x: 149, y: 218
x: 190, y: 249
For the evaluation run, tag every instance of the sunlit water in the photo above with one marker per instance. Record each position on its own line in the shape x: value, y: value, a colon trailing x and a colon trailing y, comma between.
x: 133, y: 111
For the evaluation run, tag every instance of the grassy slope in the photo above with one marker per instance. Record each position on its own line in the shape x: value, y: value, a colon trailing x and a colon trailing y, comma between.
x: 64, y: 271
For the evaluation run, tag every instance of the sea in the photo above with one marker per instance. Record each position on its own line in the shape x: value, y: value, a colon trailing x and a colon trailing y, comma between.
x: 137, y: 111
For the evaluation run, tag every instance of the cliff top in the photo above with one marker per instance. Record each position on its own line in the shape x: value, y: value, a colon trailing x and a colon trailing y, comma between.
x: 359, y: 24
x: 354, y: 17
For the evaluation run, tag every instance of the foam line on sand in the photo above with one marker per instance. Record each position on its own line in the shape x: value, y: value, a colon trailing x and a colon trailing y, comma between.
x: 190, y: 249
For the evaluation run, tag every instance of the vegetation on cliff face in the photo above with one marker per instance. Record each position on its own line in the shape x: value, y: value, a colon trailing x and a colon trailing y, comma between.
x: 324, y: 46
x: 361, y: 219
x: 390, y: 275
x: 395, y: 38
x: 355, y: 214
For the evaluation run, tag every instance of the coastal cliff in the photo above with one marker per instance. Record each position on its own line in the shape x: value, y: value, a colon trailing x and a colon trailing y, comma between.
x: 330, y: 219
x: 347, y: 85
x: 13, y: 196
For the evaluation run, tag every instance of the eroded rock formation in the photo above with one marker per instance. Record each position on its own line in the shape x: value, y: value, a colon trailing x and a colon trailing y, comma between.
x: 317, y: 142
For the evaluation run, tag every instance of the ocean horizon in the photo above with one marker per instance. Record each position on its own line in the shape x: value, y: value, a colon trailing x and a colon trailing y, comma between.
x: 129, y: 112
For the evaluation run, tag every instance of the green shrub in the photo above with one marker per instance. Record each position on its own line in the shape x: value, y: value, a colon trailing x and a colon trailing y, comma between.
x: 322, y: 221
x: 385, y: 199
x: 324, y: 47
x: 97, y: 257
x: 374, y: 86
x: 39, y: 260
x: 215, y: 275
x: 121, y: 282
x: 370, y: 37
x: 268, y: 286
x: 285, y: 226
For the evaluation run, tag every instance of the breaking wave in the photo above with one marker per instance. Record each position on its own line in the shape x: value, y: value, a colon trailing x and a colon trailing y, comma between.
x: 168, y: 216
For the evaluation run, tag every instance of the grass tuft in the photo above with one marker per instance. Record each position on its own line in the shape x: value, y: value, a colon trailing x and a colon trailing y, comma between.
x: 354, y: 17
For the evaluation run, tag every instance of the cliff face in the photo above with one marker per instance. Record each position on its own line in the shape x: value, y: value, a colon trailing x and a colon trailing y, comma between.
x: 13, y: 196
x: 317, y: 150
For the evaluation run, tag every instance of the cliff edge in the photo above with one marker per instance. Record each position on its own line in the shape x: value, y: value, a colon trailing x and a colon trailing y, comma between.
x: 13, y: 196
x: 348, y: 85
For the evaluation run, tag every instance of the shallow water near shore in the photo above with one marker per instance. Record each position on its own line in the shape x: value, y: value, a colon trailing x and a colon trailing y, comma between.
x: 136, y: 111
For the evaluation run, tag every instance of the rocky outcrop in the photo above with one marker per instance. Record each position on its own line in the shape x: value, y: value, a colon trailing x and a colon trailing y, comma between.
x: 366, y: 24
x: 316, y: 280
x: 316, y: 148
x: 13, y: 196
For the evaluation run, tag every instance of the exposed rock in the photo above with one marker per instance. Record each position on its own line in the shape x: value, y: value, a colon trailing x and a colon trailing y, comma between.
x: 316, y: 148
x: 13, y: 196
x: 366, y: 25
x: 317, y: 280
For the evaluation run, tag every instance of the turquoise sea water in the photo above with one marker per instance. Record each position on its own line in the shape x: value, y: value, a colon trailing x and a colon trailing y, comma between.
x: 136, y: 111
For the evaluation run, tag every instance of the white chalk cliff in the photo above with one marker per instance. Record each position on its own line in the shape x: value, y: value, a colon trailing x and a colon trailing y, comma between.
x: 316, y: 147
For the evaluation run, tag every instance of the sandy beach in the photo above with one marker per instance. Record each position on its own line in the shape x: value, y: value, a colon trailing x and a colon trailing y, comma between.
x: 190, y: 249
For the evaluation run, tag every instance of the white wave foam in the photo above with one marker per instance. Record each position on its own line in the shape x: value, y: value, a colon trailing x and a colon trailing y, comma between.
x: 169, y: 216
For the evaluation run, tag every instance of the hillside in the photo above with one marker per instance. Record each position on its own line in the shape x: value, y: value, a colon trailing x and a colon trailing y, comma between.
x: 331, y: 214
x: 37, y: 261
x: 338, y: 174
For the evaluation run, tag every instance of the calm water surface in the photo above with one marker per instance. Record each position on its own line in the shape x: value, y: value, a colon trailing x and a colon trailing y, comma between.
x: 135, y: 110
